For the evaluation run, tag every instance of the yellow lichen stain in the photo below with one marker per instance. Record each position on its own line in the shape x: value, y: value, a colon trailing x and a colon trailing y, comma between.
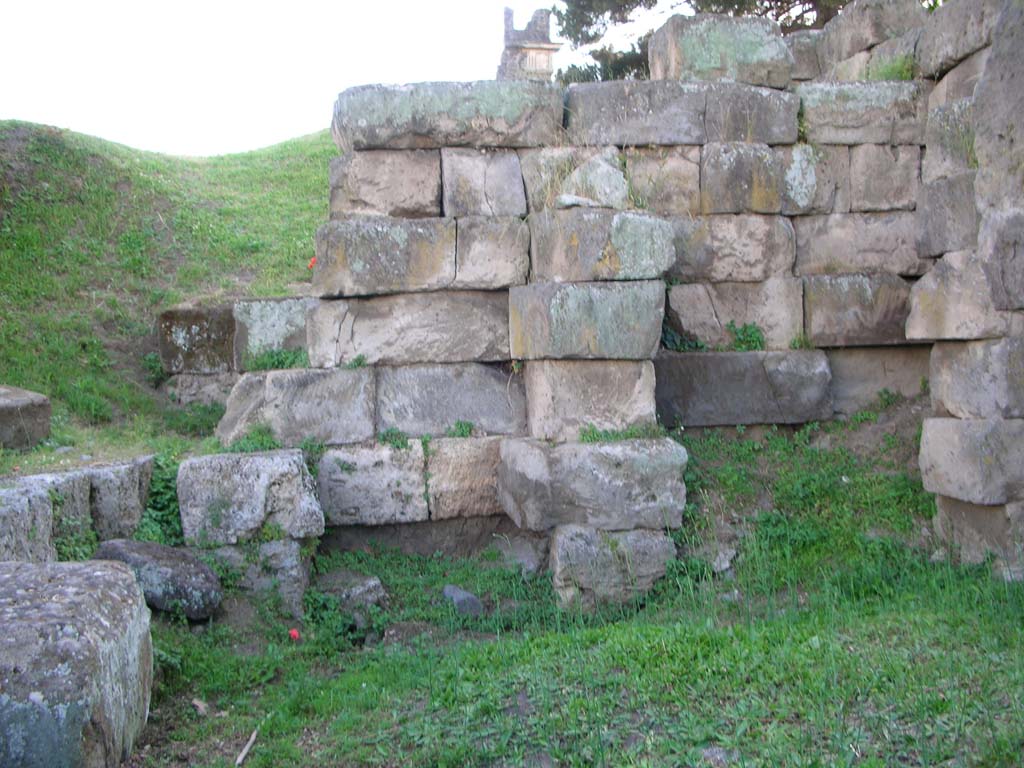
x: 764, y: 196
x: 427, y: 261
x: 517, y: 338
x: 609, y: 264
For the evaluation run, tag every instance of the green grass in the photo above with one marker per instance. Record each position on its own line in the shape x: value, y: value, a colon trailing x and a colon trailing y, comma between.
x: 591, y: 434
x: 896, y: 68
x: 396, y: 438
x: 460, y: 429
x: 277, y: 359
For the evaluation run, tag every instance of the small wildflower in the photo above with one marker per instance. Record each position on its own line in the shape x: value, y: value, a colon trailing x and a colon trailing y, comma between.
x: 312, y: 263
x: 294, y: 634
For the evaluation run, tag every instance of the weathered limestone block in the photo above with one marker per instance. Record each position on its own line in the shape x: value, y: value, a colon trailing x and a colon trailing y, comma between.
x: 636, y: 113
x: 118, y: 495
x: 486, y: 113
x: 744, y: 248
x: 954, y: 301
x: 815, y: 179
x: 335, y: 406
x: 597, y: 182
x: 860, y: 373
x: 702, y: 311
x: 745, y: 113
x: 567, y: 395
x: 583, y: 244
x: 1001, y: 249
x: 25, y: 416
x: 867, y: 23
x: 200, y: 389
x: 715, y: 47
x: 884, y: 178
x: 803, y: 44
x: 614, y: 486
x: 373, y: 484
x: 614, y: 321
x: 592, y: 566
x: 953, y: 32
x: 975, y: 460
x: 26, y: 525
x: 949, y: 137
x: 980, y: 531
x: 858, y: 242
x: 665, y: 180
x: 196, y: 339
x: 366, y: 255
x: 280, y: 566
x: 76, y: 664
x: 231, y: 497
x: 444, y: 327
x: 482, y: 182
x: 463, y: 477
x: 269, y: 324
x: 864, y: 113
x: 703, y: 389
x: 740, y: 178
x: 947, y: 215
x: 429, y: 399
x: 855, y: 310
x: 491, y: 252
x: 979, y: 379
x: 547, y: 170
x: 851, y: 70
x: 386, y: 183
x: 959, y: 83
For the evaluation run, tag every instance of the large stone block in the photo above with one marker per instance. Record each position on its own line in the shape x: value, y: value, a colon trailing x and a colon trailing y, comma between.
x: 858, y: 243
x: 863, y: 113
x: 947, y: 215
x: 614, y: 486
x: 482, y: 182
x: 665, y: 180
x: 567, y: 395
x: 583, y: 244
x: 1001, y: 249
x: 636, y: 113
x: 196, y: 339
x: 549, y: 173
x: 25, y: 415
x: 386, y: 183
x: 748, y: 114
x: 76, y: 664
x: 959, y: 83
x: 278, y: 567
x: 702, y: 311
x: 740, y: 178
x: 978, y: 532
x: 226, y: 498
x: 704, y: 389
x: 592, y: 567
x: 953, y: 32
x: 859, y: 374
x: 884, y: 178
x: 803, y: 44
x: 815, y: 179
x: 487, y: 113
x: 975, y: 460
x: 743, y: 248
x: 949, y: 137
x: 462, y: 477
x: 117, y: 496
x: 713, y: 47
x: 373, y: 484
x: 855, y: 310
x: 979, y: 379
x: 269, y: 324
x: 430, y: 399
x: 367, y: 255
x: 26, y: 525
x: 614, y: 321
x: 335, y: 406
x: 444, y: 327
x: 491, y: 252
x: 866, y: 23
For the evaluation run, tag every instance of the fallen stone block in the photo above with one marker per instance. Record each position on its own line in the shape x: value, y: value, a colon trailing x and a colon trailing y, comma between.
x: 196, y: 339
x: 592, y: 567
x: 491, y: 252
x: 884, y: 178
x: 740, y: 178
x: 235, y: 497
x: 803, y: 44
x: 614, y: 486
x: 187, y: 389
x: 866, y: 23
x: 486, y: 113
x: 333, y: 406
x: 386, y: 183
x: 76, y: 664
x: 744, y: 248
x: 979, y: 379
x: 959, y: 83
x: 744, y: 113
x: 629, y: 113
x: 976, y: 460
x: 25, y: 417
x: 462, y: 477
x: 947, y: 215
x: 567, y: 395
x: 953, y: 32
x: 280, y: 567
x: 863, y: 113
x: 262, y: 325
x: 664, y: 180
x: 709, y: 389
x: 26, y: 525
x: 860, y: 373
x: 858, y: 243
x: 855, y: 310
x: 482, y: 182
x: 614, y: 321
x: 978, y: 532
x: 373, y: 484
x: 815, y: 179
x: 949, y: 137
x: 430, y: 399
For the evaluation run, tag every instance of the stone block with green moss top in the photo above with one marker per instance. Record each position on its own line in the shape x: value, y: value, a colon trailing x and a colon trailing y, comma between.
x: 863, y: 113
x: 628, y: 113
x: 373, y: 484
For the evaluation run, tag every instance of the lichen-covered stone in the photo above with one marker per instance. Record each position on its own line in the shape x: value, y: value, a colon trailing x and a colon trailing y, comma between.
x: 978, y: 532
x: 979, y: 379
x: 863, y: 113
x: 949, y: 137
x: 25, y: 417
x: 76, y: 664
x: 462, y: 477
x: 367, y: 255
x: 583, y: 244
x: 614, y: 321
x: 975, y: 460
x: 866, y: 23
x: 740, y: 178
x: 710, y: 47
x: 860, y: 373
x: 491, y: 252
x: 744, y: 248
x: 614, y: 486
x: 567, y: 395
x: 373, y: 484
x: 884, y: 178
x: 855, y: 310
x: 858, y: 243
x: 486, y: 113
x: 947, y: 215
x: 597, y: 182
x: 665, y: 180
x: 196, y: 339
x: 636, y: 113
x: 482, y: 182
x: 738, y: 112
x: 954, y: 31
x: 803, y: 44
x: 26, y: 525
x: 386, y: 183
x: 269, y: 324
x: 443, y: 327
x: 815, y: 179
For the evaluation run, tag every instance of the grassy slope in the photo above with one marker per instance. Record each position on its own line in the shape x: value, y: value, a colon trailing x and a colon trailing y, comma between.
x: 97, y: 238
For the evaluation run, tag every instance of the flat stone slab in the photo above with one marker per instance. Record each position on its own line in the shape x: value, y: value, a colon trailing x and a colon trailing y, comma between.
x: 462, y: 477
x: 197, y: 339
x: 269, y: 324
x: 744, y: 248
x: 979, y: 379
x: 76, y: 664
x: 629, y: 113
x: 864, y: 112
x: 854, y: 243
x: 855, y: 310
x: 614, y: 321
x: 373, y: 484
x: 976, y: 460
x: 387, y: 183
x: 860, y: 373
x: 711, y: 389
x: 486, y: 113
x: 618, y: 485
x: 24, y: 418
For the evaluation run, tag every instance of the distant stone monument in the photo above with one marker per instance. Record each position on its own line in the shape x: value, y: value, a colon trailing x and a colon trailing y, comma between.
x: 528, y: 52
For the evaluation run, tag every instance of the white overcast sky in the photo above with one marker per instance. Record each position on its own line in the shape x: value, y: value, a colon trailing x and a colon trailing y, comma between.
x: 216, y: 76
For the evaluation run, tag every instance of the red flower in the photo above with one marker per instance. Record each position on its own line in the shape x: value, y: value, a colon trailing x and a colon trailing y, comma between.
x: 312, y: 263
x: 294, y: 634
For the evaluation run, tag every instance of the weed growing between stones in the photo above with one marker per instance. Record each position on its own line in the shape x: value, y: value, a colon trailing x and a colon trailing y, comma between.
x: 259, y: 438
x: 800, y: 341
x: 896, y: 68
x: 460, y: 429
x: 396, y: 438
x: 73, y: 537
x: 591, y: 434
x: 161, y: 520
x: 153, y: 367
x: 276, y: 359
x: 745, y: 338
x: 359, y: 361
x: 312, y: 451
x: 674, y: 341
x: 195, y: 420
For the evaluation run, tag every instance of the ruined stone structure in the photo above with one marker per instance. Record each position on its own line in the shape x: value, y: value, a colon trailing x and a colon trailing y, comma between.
x: 529, y: 53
